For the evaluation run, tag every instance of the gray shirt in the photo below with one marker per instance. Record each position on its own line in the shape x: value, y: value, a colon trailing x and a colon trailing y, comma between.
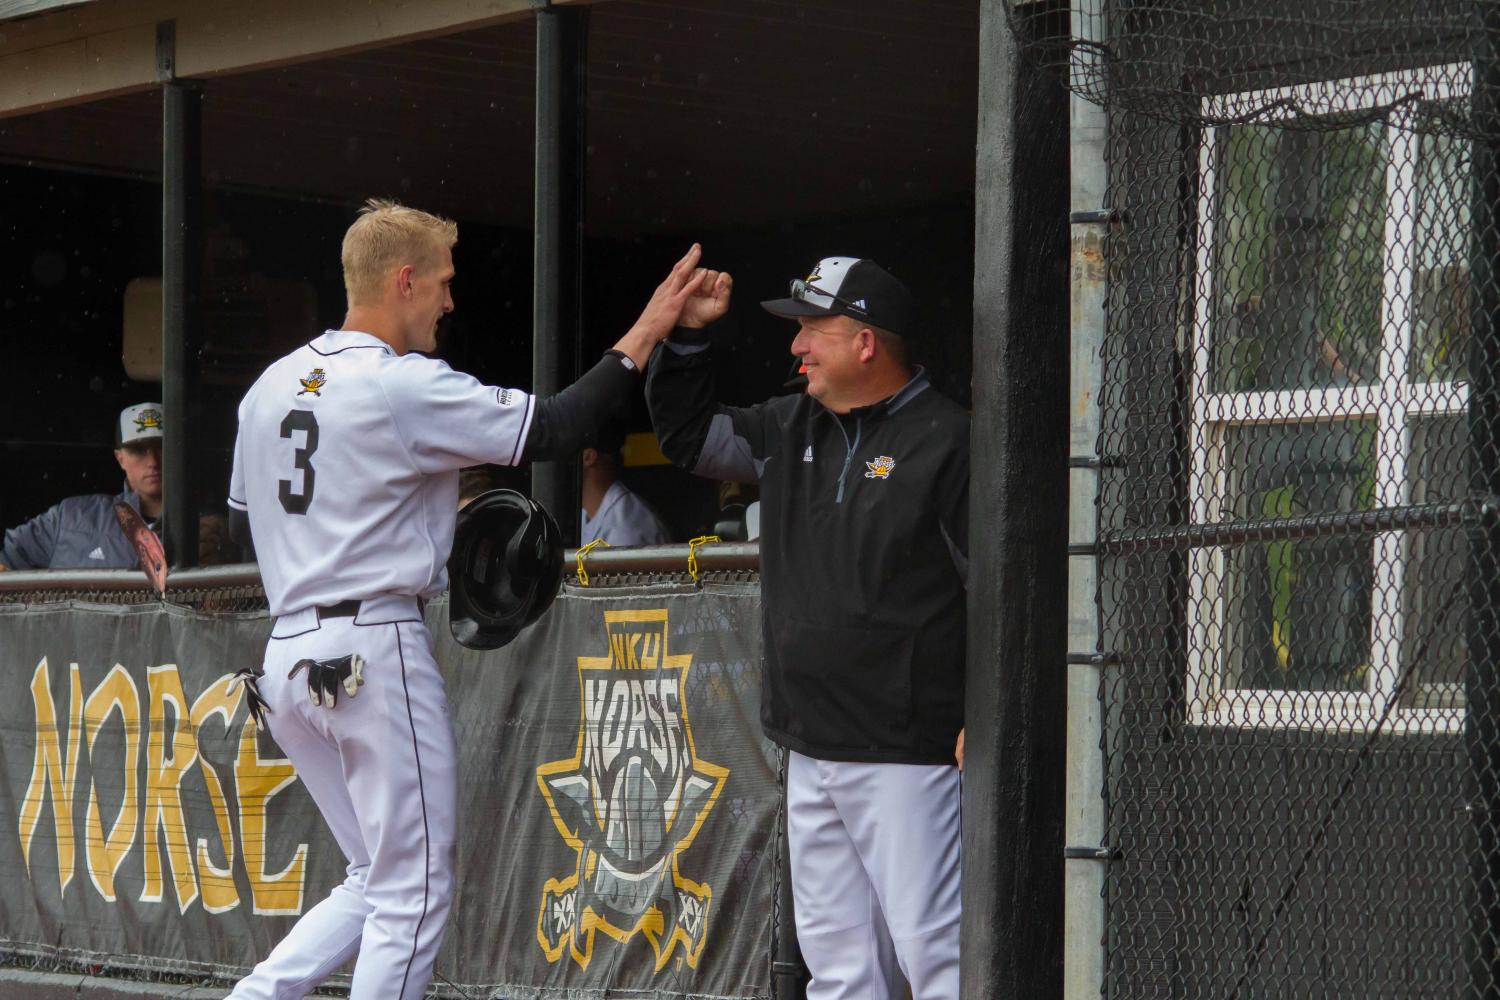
x: 78, y: 533
x: 624, y: 519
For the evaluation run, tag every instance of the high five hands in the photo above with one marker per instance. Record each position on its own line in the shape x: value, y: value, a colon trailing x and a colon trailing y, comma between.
x: 690, y: 296
x: 709, y: 300
x: 665, y: 307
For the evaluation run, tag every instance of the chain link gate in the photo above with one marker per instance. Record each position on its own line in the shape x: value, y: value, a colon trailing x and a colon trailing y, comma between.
x: 1299, y: 482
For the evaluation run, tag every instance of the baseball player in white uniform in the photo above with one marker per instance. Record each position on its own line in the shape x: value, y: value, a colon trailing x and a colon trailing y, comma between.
x: 346, y: 471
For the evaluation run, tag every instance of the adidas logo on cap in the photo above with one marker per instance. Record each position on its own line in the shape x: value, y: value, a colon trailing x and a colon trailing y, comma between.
x: 849, y: 286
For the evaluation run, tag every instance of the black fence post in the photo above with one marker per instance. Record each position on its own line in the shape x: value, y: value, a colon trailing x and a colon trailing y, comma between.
x: 181, y: 234
x: 1482, y: 687
x: 1016, y: 696
x: 561, y: 82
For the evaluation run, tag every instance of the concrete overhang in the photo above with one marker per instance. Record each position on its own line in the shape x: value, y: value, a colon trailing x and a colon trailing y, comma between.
x: 702, y: 114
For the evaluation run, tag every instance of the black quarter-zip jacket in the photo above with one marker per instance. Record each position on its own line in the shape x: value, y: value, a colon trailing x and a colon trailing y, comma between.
x: 864, y: 543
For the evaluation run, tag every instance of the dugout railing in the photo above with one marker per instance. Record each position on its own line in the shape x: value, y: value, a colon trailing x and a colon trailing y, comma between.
x: 240, y: 582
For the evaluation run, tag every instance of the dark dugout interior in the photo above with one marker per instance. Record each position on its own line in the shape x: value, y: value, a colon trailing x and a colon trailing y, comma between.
x: 775, y: 133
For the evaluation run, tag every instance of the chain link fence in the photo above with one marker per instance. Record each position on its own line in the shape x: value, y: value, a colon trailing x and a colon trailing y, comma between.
x: 1299, y: 590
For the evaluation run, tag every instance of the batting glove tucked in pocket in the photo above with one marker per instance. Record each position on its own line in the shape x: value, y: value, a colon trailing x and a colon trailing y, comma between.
x: 249, y: 679
x: 325, y: 677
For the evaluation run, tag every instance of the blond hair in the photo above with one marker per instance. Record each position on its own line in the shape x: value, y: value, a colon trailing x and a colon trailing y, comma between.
x: 389, y: 235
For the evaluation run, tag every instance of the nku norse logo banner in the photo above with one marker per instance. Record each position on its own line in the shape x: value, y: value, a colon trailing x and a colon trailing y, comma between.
x: 629, y: 802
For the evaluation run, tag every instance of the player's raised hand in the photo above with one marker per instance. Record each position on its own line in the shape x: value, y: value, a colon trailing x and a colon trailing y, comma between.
x: 709, y: 301
x: 663, y: 311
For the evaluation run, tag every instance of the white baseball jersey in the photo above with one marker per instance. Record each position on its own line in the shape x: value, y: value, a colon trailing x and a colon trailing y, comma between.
x: 347, y: 461
x: 623, y: 519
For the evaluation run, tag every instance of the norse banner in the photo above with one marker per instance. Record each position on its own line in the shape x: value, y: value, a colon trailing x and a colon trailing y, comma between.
x: 618, y: 804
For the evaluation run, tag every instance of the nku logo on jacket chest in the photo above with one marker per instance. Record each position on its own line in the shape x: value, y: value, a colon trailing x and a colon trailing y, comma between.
x: 880, y: 468
x: 629, y: 802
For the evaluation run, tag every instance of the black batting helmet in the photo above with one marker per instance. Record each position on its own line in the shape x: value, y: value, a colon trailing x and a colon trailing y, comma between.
x: 505, y: 568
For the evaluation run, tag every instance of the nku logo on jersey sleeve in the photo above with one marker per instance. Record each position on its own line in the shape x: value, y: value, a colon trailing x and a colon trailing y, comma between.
x: 629, y: 802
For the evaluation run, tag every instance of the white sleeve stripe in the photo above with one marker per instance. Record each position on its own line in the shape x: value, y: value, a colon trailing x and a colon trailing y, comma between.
x: 238, y: 504
x: 515, y: 458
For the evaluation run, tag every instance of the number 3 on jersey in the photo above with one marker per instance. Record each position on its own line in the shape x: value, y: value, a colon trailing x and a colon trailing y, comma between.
x: 304, y: 421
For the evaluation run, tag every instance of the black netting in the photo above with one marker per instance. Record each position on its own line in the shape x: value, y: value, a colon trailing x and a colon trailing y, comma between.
x: 729, y: 675
x: 1298, y: 559
x: 1239, y: 61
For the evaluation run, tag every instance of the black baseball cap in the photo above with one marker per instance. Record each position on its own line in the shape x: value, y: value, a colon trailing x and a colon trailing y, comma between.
x: 849, y: 286
x: 609, y: 440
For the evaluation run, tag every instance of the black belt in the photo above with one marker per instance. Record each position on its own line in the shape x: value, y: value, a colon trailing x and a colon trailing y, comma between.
x: 343, y: 609
x: 348, y: 609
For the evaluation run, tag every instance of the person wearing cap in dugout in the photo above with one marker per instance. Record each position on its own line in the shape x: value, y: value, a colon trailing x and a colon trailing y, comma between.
x: 864, y: 483
x: 612, y: 511
x: 83, y: 531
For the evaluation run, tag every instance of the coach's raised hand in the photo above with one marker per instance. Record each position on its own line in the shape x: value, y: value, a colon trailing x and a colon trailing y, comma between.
x: 664, y: 309
x: 709, y: 301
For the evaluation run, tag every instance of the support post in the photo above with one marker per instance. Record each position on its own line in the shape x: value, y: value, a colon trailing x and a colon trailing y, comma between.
x: 1084, y: 877
x: 1482, y: 680
x: 181, y: 236
x: 561, y: 78
x: 1015, y: 700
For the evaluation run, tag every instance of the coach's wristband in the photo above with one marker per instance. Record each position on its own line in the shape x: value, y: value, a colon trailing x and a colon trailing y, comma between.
x: 625, y: 361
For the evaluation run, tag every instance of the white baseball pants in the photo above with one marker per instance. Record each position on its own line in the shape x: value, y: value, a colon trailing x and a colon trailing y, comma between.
x: 875, y: 877
x: 381, y: 768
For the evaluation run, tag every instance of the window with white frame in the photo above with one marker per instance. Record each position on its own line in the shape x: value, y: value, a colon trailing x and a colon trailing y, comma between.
x: 1329, y: 339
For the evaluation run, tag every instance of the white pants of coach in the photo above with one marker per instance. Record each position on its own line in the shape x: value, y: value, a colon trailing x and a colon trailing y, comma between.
x: 380, y: 767
x: 875, y: 877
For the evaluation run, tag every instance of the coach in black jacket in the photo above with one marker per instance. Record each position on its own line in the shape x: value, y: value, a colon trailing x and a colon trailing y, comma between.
x: 864, y: 488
